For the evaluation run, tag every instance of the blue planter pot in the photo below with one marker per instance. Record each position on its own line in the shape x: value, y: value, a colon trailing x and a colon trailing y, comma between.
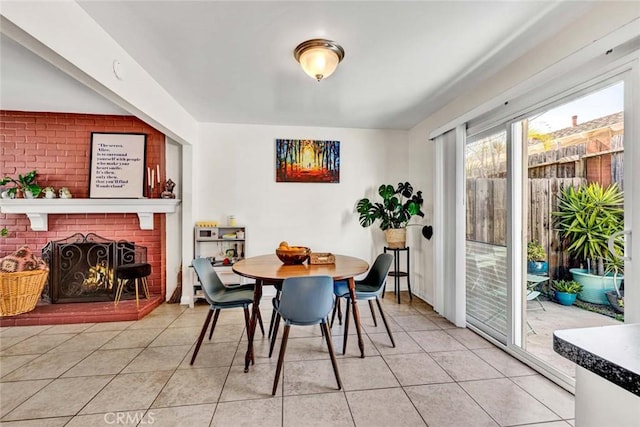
x: 594, y: 287
x: 565, y: 298
x: 537, y: 267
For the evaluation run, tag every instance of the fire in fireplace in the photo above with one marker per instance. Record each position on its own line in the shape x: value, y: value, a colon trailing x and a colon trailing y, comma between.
x: 82, y: 268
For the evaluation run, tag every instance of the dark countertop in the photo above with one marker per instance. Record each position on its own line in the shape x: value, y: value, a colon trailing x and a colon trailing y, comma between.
x: 612, y: 352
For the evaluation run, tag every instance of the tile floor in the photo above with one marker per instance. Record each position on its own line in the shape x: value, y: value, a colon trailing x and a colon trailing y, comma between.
x: 138, y: 373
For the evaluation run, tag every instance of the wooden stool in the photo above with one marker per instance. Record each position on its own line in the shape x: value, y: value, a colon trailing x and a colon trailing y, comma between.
x: 137, y: 272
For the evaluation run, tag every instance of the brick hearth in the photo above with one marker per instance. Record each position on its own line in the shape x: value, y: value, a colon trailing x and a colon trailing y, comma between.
x: 84, y: 312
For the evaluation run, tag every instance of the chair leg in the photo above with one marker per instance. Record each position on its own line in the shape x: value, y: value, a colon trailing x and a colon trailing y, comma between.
x: 215, y: 321
x: 274, y: 335
x: 260, y: 322
x: 201, y: 337
x: 373, y: 313
x: 119, y: 290
x: 137, y: 281
x: 145, y: 287
x: 346, y: 326
x: 386, y: 325
x: 247, y: 326
x: 334, y: 362
x: 273, y: 316
x: 336, y: 309
x: 283, y: 348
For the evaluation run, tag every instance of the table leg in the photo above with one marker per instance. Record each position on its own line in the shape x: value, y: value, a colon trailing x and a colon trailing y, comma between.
x: 356, y: 314
x: 396, y: 279
x: 257, y: 295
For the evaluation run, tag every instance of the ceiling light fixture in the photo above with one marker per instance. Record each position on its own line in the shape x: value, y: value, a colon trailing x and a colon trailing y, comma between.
x: 319, y: 58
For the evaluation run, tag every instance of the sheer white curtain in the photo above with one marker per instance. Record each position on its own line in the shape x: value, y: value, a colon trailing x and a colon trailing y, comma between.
x: 449, y: 226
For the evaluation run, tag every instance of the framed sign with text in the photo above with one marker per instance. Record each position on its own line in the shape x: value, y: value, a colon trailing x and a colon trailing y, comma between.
x: 117, y: 165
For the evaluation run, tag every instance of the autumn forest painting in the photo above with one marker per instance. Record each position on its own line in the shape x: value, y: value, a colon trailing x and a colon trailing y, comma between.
x: 306, y: 160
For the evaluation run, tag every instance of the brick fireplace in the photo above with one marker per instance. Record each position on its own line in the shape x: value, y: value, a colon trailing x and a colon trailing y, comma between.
x: 57, y: 146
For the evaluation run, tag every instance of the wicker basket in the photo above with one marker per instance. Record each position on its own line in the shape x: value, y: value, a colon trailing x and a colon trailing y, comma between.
x: 20, y: 291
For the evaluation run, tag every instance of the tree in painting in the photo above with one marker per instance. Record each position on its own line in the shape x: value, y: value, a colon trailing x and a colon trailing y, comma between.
x: 306, y: 160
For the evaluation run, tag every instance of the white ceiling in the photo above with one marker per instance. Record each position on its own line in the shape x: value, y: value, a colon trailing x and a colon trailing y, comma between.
x: 232, y: 62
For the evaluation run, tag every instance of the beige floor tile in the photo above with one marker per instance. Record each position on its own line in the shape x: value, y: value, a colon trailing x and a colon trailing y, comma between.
x: 436, y: 341
x: 132, y: 338
x: 261, y: 352
x: 416, y: 368
x: 73, y: 328
x: 255, y: 384
x: 191, y: 416
x: 61, y: 397
x: 469, y: 338
x: 226, y: 333
x: 40, y: 422
x: 128, y: 392
x: 416, y: 322
x: 110, y: 326
x: 11, y: 363
x: 49, y: 365
x: 367, y: 373
x: 553, y: 396
x: 212, y: 354
x: 103, y: 362
x: 153, y: 321
x: 551, y: 424
x: 176, y: 336
x: 507, y: 403
x: 85, y: 341
x: 353, y: 350
x: 442, y: 323
x: 13, y: 394
x: 194, y: 386
x: 447, y: 405
x: 195, y: 320
x: 507, y: 365
x: 386, y: 407
x: 307, y: 376
x: 158, y: 358
x: 22, y: 331
x: 465, y: 366
x: 37, y: 344
x: 6, y: 342
x: 302, y: 348
x: 258, y: 412
x: 404, y: 343
x: 317, y: 410
x: 123, y: 418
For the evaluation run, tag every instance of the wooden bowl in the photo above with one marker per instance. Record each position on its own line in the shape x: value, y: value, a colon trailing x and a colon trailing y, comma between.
x: 294, y: 255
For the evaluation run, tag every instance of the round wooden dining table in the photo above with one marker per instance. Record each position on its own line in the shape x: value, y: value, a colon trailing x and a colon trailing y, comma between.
x: 269, y: 270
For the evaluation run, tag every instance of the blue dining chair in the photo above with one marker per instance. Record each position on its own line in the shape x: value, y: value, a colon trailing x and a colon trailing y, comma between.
x: 219, y: 297
x: 368, y: 289
x: 304, y: 301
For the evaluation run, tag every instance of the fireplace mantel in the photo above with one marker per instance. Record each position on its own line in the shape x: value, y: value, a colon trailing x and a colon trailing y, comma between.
x: 38, y: 209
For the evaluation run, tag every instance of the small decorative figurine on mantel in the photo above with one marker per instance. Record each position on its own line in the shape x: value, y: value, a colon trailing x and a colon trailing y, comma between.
x: 169, y: 185
x: 49, y: 193
x: 65, y: 193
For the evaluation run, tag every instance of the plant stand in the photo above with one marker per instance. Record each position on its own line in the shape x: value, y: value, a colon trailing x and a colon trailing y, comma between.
x: 396, y: 273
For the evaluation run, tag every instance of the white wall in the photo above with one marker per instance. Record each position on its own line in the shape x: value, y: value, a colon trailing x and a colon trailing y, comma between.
x: 235, y: 170
x: 420, y: 158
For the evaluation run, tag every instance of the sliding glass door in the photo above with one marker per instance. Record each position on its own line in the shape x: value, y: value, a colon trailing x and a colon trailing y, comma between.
x: 487, y: 286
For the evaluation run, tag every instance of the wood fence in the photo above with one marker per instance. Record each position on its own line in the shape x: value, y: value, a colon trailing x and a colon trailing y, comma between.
x: 487, y: 214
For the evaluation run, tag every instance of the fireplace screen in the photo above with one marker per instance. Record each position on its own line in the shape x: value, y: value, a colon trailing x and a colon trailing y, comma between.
x: 82, y: 268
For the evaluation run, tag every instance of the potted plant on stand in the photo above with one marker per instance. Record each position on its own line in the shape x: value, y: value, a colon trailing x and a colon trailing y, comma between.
x: 566, y: 291
x: 536, y: 259
x: 398, y: 206
x: 586, y: 219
